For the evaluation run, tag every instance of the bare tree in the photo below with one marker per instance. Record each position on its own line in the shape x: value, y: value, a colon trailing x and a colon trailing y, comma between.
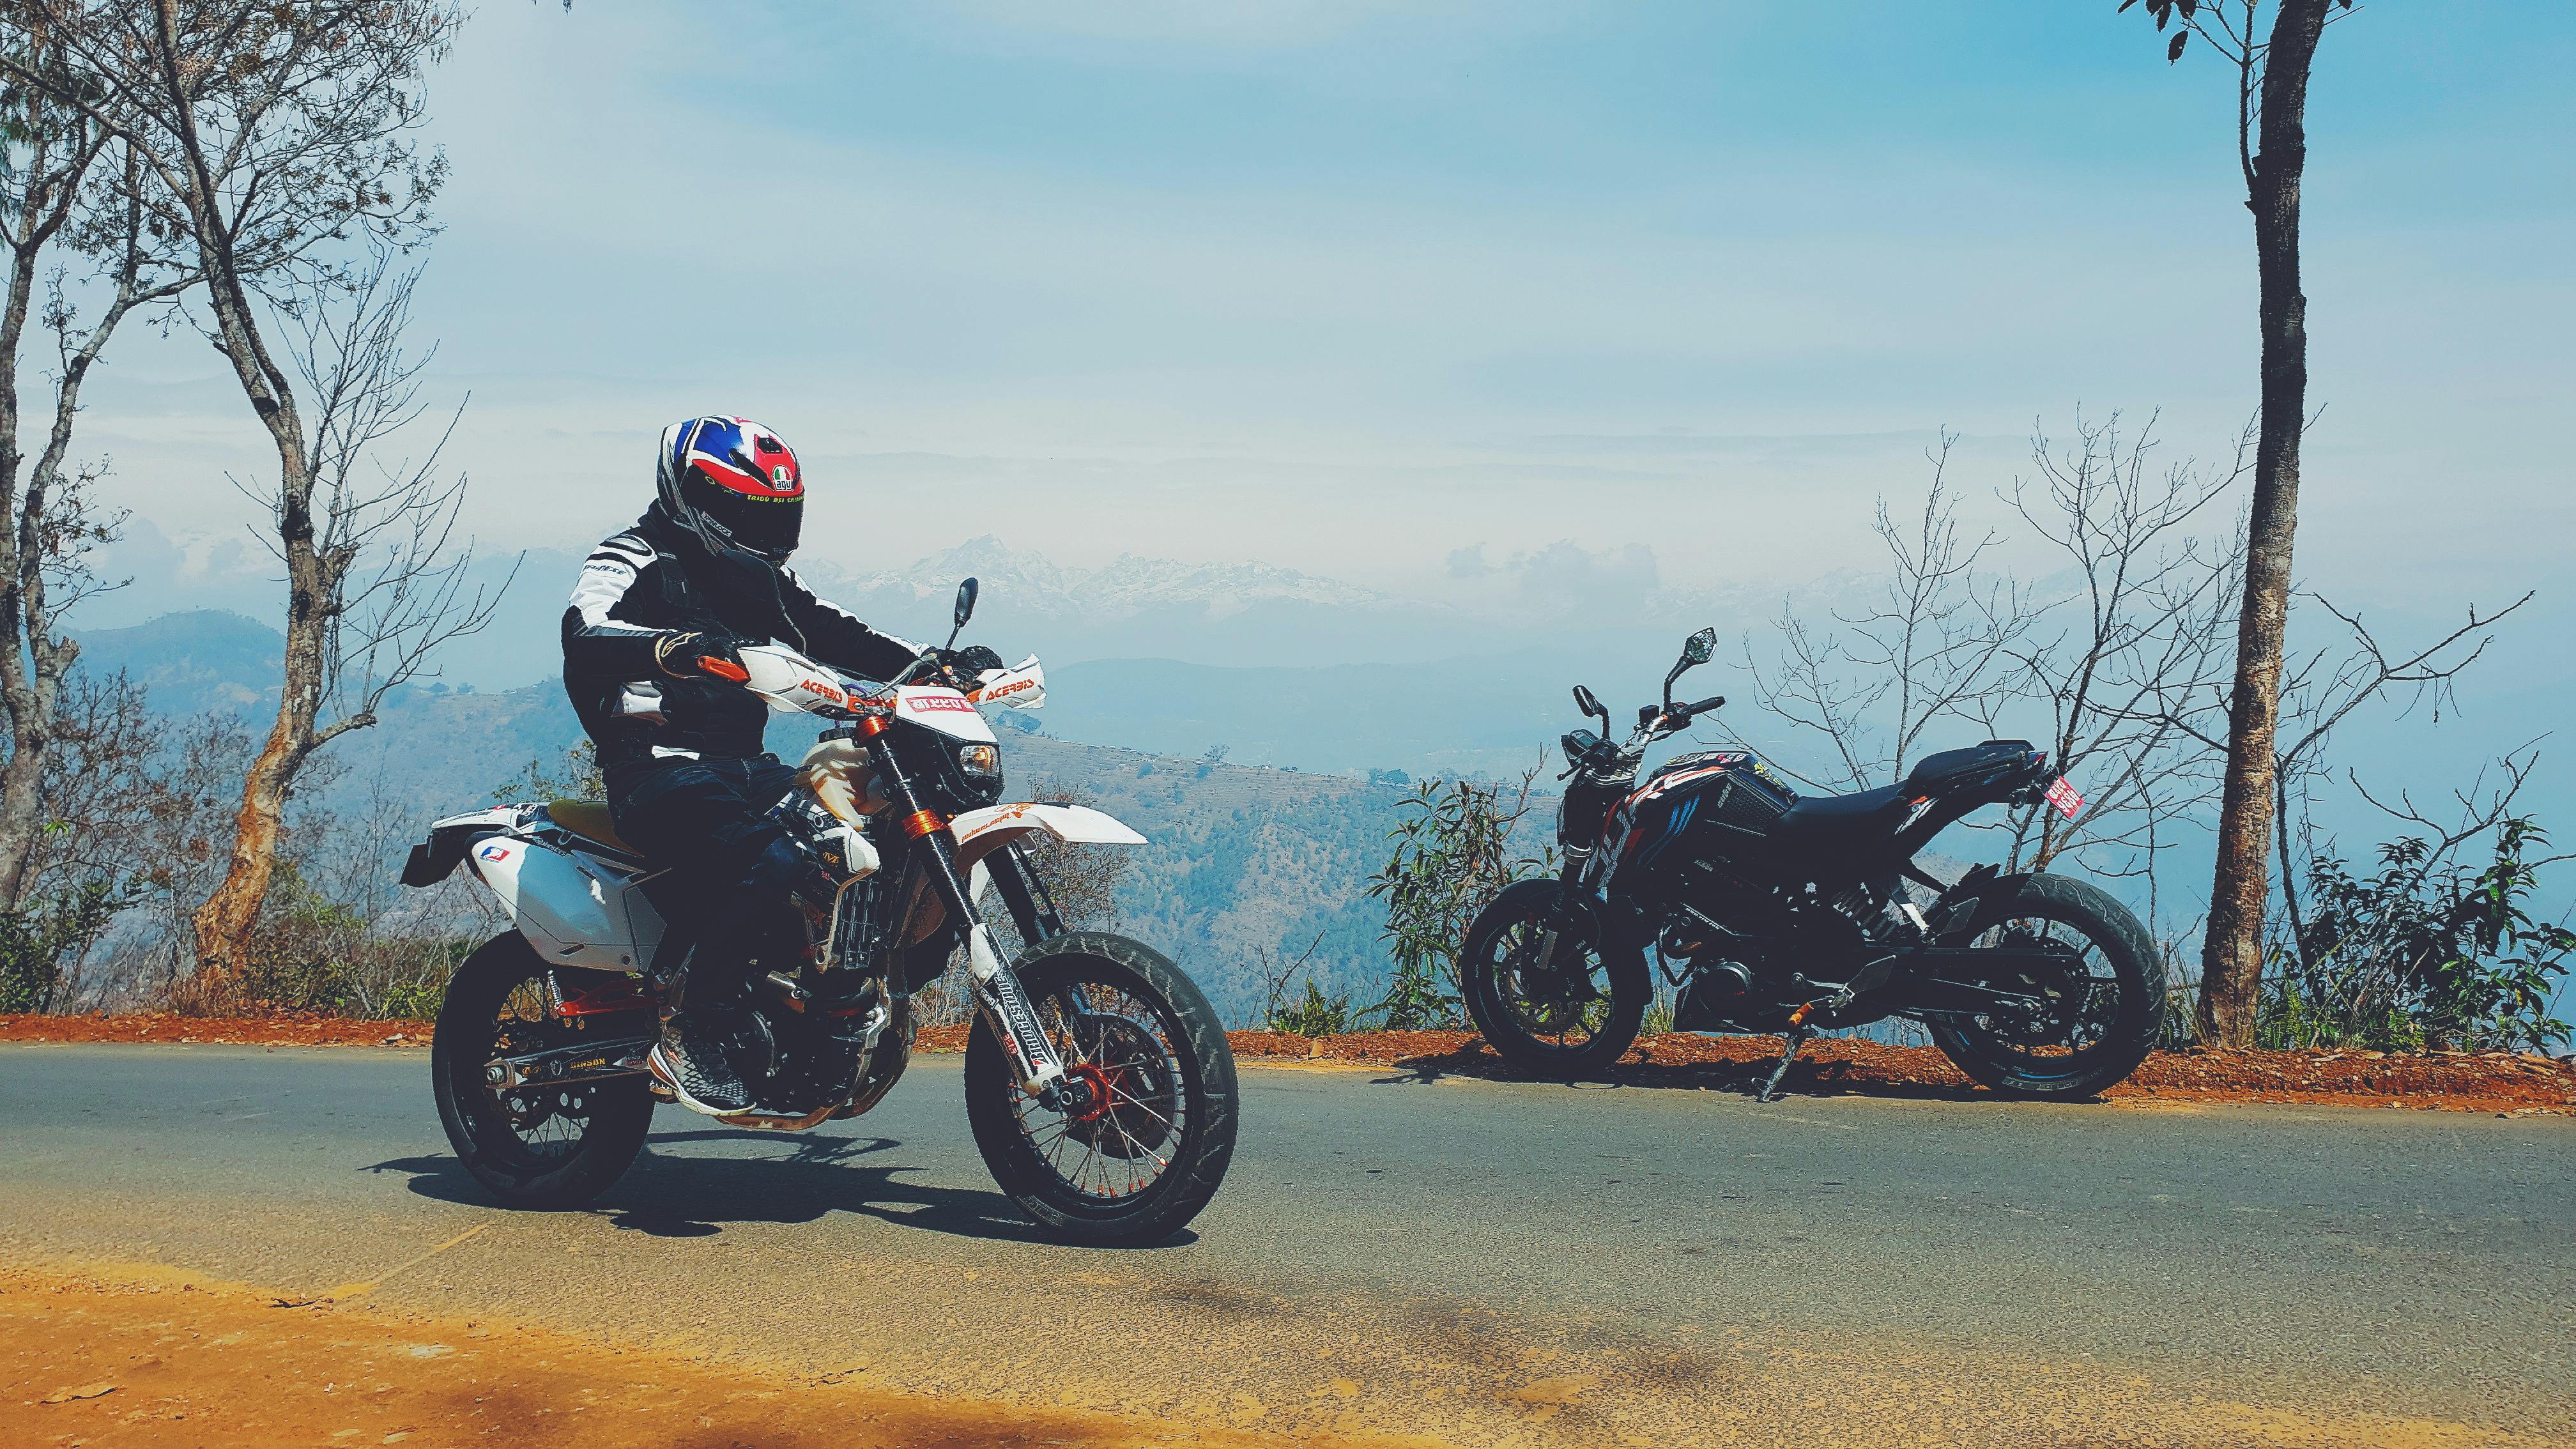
x: 2324, y: 689
x: 385, y: 576
x: 2144, y: 647
x: 2272, y: 63
x: 70, y: 197
x: 80, y: 872
x: 275, y: 135
x: 194, y: 786
x: 1942, y: 644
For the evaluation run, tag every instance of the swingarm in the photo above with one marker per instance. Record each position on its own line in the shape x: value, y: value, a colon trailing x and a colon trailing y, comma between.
x: 589, y: 1061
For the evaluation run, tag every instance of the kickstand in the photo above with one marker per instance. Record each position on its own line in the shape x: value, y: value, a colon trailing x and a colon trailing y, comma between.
x: 1794, y: 1038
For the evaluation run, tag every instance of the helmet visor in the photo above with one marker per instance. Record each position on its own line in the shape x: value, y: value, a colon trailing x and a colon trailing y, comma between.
x: 767, y: 524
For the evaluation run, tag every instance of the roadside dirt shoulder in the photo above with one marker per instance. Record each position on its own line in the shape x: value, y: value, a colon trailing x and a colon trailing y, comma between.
x: 144, y: 1356
x: 2498, y: 1082
x: 162, y: 1027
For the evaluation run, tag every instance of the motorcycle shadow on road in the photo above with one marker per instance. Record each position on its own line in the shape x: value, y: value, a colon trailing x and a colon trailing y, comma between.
x: 1735, y: 1065
x: 668, y: 1194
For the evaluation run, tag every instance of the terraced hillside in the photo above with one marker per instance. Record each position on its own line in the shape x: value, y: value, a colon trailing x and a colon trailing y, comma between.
x: 1242, y: 859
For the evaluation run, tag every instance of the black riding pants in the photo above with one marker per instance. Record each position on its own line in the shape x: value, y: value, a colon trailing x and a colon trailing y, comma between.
x: 707, y: 821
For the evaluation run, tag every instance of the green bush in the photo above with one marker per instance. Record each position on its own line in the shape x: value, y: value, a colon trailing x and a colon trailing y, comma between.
x: 2422, y: 954
x: 1315, y: 1015
x: 1455, y: 850
x: 415, y: 1000
x: 315, y: 954
x: 35, y: 944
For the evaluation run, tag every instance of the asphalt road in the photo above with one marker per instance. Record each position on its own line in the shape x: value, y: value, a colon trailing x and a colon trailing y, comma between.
x: 1475, y: 1261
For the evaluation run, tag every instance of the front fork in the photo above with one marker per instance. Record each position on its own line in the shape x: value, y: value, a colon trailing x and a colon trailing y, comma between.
x: 1569, y: 881
x: 997, y: 989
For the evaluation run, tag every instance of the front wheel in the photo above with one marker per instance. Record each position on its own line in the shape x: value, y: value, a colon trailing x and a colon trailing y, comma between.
x: 1139, y: 1142
x: 2098, y: 1001
x: 537, y: 1145
x: 1570, y: 1015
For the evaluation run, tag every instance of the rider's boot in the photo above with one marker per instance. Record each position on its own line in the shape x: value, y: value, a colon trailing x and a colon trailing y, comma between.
x: 694, y: 1057
x: 699, y: 1054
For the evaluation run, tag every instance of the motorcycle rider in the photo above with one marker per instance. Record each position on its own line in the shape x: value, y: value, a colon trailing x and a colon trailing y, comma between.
x: 651, y: 660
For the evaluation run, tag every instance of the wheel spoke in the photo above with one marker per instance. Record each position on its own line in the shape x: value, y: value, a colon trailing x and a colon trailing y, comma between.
x: 1123, y: 1102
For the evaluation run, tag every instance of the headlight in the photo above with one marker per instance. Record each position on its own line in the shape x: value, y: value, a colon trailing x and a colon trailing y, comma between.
x: 983, y: 762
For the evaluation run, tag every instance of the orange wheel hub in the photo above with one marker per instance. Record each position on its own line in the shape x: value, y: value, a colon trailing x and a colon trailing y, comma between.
x: 1100, y: 1083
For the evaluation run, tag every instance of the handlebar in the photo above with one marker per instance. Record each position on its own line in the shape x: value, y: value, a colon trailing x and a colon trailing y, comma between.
x: 1583, y: 747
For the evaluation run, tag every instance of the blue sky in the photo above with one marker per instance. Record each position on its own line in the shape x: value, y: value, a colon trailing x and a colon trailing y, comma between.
x: 1349, y: 287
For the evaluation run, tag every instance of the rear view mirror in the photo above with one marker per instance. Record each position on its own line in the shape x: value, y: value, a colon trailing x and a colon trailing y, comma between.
x: 1584, y: 701
x: 1695, y: 650
x: 966, y: 601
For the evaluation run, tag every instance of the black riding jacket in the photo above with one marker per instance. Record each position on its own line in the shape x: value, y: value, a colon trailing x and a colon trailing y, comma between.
x: 656, y: 579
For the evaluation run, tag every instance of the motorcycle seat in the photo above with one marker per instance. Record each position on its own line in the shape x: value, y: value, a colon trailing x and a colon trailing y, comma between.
x: 589, y: 820
x: 1951, y: 770
x: 1819, y: 820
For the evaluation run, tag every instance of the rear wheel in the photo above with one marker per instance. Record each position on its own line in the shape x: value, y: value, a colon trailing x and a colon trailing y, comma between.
x: 2098, y: 1003
x: 537, y: 1145
x: 1572, y: 1016
x: 1140, y: 1140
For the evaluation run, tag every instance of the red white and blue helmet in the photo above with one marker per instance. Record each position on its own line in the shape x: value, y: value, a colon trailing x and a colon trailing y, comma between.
x: 734, y: 484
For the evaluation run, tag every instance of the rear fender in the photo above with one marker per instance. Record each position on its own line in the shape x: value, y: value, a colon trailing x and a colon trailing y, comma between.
x: 1973, y: 902
x: 434, y: 859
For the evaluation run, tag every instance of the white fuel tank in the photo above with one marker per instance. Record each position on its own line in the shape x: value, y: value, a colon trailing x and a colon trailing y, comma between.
x: 574, y: 910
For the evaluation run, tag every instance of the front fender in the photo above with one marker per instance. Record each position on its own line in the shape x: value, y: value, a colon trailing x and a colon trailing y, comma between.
x: 981, y: 832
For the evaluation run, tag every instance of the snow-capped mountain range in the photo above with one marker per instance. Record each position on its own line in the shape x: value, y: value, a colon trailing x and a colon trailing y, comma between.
x: 1121, y: 589
x: 1562, y: 602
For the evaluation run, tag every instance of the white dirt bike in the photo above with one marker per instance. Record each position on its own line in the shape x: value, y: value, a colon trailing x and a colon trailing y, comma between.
x: 1099, y: 1085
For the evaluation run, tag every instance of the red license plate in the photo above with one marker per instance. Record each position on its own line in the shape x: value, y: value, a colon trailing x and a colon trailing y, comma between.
x: 2063, y: 796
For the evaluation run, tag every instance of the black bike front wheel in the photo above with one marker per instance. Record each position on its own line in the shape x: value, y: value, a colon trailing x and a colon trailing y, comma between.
x: 1138, y: 1142
x: 1550, y: 999
x: 2099, y: 1001
x: 538, y: 1144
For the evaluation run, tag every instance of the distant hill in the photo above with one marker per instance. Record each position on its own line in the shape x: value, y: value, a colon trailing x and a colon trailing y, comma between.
x: 202, y: 659
x: 1240, y: 859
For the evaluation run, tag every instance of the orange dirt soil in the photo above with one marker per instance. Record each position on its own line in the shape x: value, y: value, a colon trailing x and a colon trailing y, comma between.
x: 148, y: 1356
x: 2488, y: 1082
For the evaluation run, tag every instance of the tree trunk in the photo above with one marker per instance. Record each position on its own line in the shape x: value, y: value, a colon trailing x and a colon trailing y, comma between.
x: 2232, y: 953
x: 34, y: 660
x: 223, y: 925
x: 32, y: 664
x: 30, y: 723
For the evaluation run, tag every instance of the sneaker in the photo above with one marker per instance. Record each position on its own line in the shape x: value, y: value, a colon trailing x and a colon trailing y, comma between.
x: 691, y: 1060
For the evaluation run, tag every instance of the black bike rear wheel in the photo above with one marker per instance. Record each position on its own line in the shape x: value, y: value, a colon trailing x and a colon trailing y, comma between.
x: 1133, y: 1154
x: 2101, y: 1005
x: 1573, y: 1017
x: 538, y: 1145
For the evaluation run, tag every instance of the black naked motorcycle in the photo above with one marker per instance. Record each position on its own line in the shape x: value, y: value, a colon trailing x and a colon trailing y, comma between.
x: 1768, y: 912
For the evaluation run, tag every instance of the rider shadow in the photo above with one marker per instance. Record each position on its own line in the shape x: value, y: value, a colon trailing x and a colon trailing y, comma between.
x: 1740, y: 1072
x: 671, y: 1196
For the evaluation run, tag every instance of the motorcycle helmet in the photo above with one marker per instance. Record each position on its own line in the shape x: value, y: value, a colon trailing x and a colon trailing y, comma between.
x: 734, y: 484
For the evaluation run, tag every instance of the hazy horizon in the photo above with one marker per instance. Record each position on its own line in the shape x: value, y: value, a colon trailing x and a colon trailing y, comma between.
x: 1350, y: 288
